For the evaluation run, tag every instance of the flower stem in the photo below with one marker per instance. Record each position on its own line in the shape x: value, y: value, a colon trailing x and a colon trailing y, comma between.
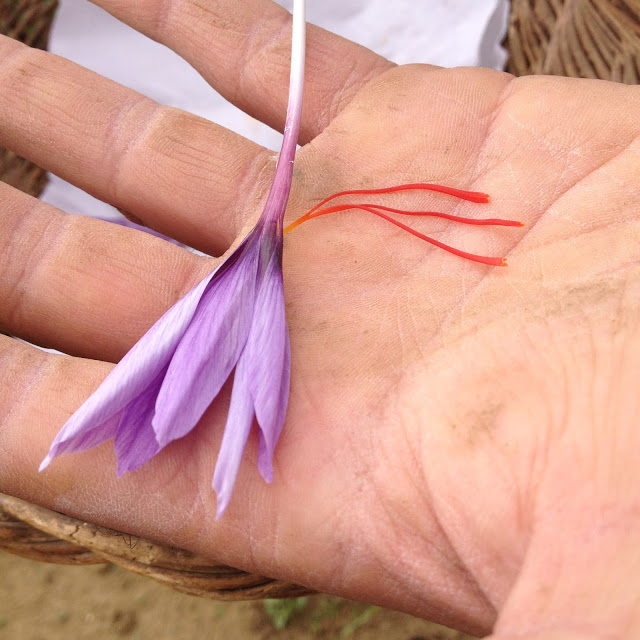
x: 278, y: 195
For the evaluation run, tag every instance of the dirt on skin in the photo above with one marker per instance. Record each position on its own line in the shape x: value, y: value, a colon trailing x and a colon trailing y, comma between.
x: 104, y: 602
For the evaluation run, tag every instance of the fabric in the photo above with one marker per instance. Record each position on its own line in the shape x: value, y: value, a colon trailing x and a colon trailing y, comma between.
x: 443, y: 32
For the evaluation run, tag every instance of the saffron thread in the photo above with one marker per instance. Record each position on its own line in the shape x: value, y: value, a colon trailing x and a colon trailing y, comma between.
x: 379, y: 210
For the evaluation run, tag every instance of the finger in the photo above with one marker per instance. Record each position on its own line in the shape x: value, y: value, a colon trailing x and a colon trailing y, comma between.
x: 180, y: 174
x: 170, y: 498
x: 39, y: 393
x: 242, y: 49
x: 84, y: 286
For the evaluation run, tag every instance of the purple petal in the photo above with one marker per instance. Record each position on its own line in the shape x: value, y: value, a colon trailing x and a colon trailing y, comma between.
x: 269, y: 361
x: 130, y: 377
x: 210, y: 347
x: 234, y: 440
x: 90, y: 437
x: 135, y: 440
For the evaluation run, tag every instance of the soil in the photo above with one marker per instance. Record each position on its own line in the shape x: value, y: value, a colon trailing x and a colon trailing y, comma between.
x: 104, y: 602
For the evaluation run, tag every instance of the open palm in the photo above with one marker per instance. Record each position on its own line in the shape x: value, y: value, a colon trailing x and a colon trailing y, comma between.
x: 461, y: 439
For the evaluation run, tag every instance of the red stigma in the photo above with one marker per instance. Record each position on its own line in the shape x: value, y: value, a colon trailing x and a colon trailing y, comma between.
x: 379, y: 210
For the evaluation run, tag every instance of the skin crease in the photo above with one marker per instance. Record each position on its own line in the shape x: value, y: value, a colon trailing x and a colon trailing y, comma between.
x: 461, y: 440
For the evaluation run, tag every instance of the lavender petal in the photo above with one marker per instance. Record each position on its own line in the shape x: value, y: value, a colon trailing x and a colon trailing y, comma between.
x: 234, y: 439
x: 209, y: 348
x: 269, y: 361
x: 135, y: 440
x: 86, y: 439
x: 131, y: 376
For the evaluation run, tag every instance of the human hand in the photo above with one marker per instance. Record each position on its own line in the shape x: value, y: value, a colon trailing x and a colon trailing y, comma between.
x: 460, y: 439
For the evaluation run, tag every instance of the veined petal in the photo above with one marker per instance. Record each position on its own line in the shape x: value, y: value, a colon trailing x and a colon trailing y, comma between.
x: 234, y: 439
x: 90, y: 437
x: 268, y: 357
x: 135, y: 440
x: 130, y: 377
x: 209, y: 348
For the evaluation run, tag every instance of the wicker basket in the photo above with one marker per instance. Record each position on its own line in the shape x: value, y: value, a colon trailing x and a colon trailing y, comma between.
x: 579, y: 38
x: 40, y: 534
x: 28, y: 21
x: 584, y: 38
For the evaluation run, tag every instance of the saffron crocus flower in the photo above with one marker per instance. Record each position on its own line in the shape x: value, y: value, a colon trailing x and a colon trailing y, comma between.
x: 233, y: 320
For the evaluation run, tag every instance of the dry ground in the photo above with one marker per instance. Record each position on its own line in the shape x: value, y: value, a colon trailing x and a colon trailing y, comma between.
x: 103, y: 602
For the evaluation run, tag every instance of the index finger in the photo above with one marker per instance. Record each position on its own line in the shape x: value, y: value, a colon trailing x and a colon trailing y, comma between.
x: 242, y: 50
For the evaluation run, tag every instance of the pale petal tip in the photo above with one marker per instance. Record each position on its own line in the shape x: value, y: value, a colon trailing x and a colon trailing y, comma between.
x: 163, y: 437
x: 266, y: 471
x: 265, y: 465
x: 45, y: 463
x: 223, y: 503
x: 163, y: 441
x: 220, y: 511
x: 223, y: 494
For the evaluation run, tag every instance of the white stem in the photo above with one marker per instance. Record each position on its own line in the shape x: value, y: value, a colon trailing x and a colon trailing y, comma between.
x: 296, y: 78
x: 277, y: 200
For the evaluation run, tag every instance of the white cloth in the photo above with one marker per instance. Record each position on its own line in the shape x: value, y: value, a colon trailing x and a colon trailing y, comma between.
x: 443, y: 32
